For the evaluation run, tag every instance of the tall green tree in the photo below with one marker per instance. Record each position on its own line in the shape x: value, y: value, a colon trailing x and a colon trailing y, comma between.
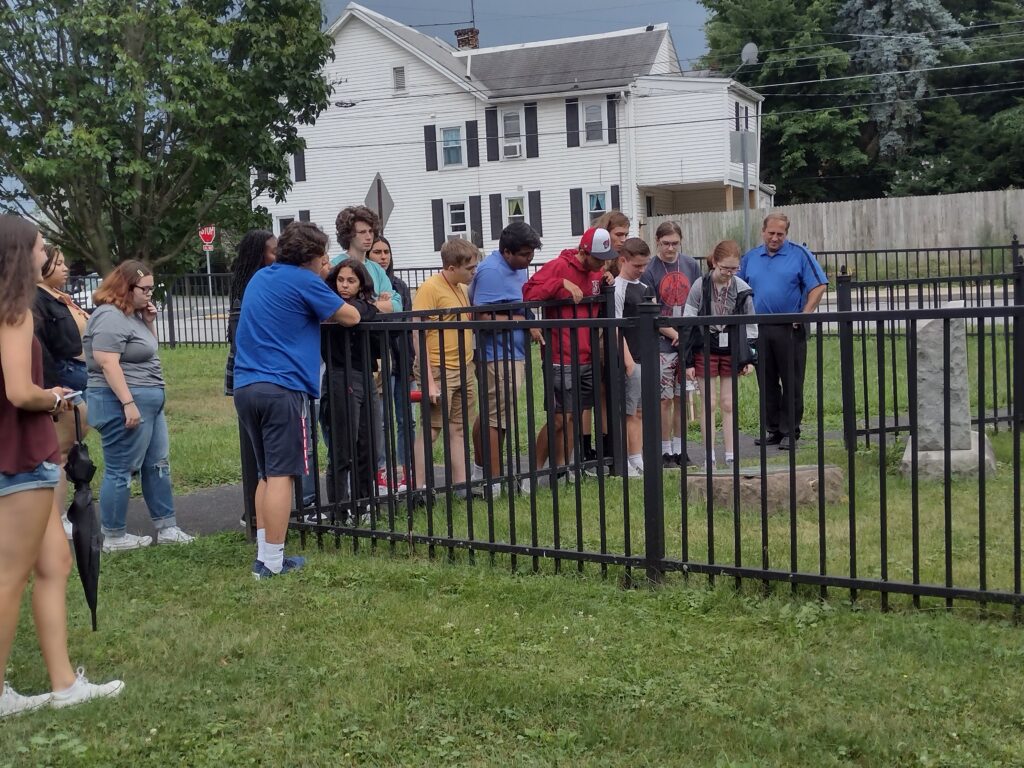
x: 812, y: 146
x: 896, y: 40
x: 126, y: 125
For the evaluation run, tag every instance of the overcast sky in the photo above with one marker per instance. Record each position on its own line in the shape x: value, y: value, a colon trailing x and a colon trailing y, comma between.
x: 501, y: 23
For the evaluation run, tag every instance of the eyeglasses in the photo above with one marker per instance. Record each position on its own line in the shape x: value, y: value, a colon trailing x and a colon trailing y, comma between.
x: 730, y: 270
x: 146, y: 289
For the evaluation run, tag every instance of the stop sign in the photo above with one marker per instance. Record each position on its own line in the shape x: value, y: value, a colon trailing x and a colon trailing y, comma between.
x: 207, y: 234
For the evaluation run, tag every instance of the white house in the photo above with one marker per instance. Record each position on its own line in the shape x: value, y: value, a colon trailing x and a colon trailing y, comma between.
x: 553, y: 132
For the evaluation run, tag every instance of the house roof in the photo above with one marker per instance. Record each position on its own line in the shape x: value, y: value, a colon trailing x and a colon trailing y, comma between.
x: 609, y: 60
x: 593, y: 62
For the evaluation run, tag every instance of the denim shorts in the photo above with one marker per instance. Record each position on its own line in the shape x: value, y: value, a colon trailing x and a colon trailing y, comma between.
x: 46, y: 475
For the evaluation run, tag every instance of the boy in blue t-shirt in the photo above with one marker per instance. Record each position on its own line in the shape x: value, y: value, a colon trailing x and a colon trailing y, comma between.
x: 277, y: 366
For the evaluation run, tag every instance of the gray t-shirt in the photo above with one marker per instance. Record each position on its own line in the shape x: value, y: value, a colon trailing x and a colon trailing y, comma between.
x: 111, y: 330
x: 671, y: 285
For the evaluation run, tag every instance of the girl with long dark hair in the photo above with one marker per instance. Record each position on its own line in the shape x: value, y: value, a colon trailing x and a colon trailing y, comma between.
x: 345, y: 403
x: 31, y: 535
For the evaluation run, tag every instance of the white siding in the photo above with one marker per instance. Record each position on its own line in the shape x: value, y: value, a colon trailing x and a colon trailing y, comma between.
x: 735, y: 172
x: 682, y: 136
x: 384, y: 133
x: 666, y: 62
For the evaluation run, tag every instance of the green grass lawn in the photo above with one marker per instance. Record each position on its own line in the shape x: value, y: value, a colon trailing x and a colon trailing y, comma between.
x: 377, y: 660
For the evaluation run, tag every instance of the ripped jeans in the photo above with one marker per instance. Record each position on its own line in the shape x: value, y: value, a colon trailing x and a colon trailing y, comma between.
x: 126, y: 451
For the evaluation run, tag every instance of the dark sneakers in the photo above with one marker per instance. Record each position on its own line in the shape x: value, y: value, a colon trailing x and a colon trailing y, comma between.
x: 292, y: 563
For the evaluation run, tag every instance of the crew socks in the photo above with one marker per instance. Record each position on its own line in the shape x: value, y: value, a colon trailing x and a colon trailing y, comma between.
x: 666, y: 446
x: 729, y: 456
x: 261, y: 544
x: 274, y: 559
x: 677, y: 445
x: 637, y: 460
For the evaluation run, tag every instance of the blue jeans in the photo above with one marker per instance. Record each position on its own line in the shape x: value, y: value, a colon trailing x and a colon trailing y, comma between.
x: 126, y: 451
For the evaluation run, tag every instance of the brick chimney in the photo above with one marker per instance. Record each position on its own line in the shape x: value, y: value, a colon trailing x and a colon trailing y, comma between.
x: 467, y: 38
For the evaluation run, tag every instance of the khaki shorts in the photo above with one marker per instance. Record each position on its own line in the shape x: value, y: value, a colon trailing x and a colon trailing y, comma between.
x: 449, y: 408
x: 502, y: 394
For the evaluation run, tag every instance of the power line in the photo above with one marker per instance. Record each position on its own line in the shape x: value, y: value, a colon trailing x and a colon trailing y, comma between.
x: 893, y: 72
x: 729, y: 118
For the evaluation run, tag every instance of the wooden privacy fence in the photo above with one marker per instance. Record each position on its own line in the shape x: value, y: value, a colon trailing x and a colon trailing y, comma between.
x: 895, y: 223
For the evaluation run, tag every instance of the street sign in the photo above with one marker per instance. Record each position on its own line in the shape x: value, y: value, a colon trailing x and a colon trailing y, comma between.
x: 736, y: 149
x: 378, y: 200
x: 207, y: 235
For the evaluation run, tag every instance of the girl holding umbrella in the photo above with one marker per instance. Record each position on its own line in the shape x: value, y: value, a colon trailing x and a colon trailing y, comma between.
x: 31, y: 534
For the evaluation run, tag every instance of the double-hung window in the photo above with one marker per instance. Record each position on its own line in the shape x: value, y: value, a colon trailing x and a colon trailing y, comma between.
x: 458, y: 220
x: 515, y: 209
x: 593, y: 121
x: 511, y: 133
x: 451, y: 147
x: 596, y: 204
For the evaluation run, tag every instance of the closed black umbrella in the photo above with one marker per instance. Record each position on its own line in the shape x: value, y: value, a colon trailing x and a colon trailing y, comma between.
x: 86, y: 537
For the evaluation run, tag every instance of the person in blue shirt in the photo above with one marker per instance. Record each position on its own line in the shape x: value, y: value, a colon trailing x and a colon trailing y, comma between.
x: 786, y: 279
x: 277, y: 366
x: 500, y: 355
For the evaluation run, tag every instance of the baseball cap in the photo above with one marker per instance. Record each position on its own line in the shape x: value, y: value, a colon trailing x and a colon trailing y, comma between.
x: 598, y: 243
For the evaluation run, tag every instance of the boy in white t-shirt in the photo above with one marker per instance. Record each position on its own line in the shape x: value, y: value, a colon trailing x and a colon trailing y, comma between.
x: 634, y: 255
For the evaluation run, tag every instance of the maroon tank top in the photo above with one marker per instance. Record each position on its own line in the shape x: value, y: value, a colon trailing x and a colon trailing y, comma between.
x: 27, y: 438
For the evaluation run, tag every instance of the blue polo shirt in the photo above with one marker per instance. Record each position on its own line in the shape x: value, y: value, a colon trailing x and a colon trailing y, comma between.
x: 495, y: 282
x: 278, y: 337
x: 781, y: 281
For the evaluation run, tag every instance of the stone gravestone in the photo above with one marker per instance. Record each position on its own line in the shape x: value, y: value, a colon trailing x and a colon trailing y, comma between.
x: 932, y: 396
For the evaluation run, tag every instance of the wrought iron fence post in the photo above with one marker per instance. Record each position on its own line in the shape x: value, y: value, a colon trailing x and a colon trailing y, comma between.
x: 844, y: 303
x: 613, y: 394
x: 169, y: 310
x: 650, y: 402
x: 1018, y: 333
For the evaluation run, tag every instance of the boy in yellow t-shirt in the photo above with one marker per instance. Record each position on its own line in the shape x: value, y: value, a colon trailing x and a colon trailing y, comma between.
x: 450, y: 391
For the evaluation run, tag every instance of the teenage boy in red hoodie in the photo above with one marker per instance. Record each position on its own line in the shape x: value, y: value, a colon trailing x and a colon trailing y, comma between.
x: 575, y: 274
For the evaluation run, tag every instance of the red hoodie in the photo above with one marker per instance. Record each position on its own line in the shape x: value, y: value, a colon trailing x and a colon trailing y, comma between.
x: 546, y: 284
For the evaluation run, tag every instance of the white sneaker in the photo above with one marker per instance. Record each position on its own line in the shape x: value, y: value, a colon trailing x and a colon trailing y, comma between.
x: 82, y: 690
x: 126, y: 542
x: 173, y: 535
x: 67, y: 525
x: 632, y: 470
x: 13, y: 703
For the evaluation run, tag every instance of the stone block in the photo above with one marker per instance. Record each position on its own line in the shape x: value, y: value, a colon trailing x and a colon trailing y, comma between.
x: 777, y: 484
x: 931, y: 465
x: 931, y: 391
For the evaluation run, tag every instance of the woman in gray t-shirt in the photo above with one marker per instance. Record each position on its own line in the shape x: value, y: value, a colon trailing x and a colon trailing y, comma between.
x: 126, y: 406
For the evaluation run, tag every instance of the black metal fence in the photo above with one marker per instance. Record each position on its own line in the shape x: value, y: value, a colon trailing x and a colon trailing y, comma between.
x: 862, y: 502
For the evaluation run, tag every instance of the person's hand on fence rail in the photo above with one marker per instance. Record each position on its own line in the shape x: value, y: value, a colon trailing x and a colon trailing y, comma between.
x: 574, y: 291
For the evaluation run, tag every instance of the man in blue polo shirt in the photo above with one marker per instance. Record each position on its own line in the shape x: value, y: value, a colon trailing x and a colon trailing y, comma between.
x: 500, y: 355
x: 786, y: 279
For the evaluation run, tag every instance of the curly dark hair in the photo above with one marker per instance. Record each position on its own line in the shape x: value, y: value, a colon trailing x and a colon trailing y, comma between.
x: 345, y: 224
x: 251, y: 253
x: 18, y: 273
x: 300, y: 243
x: 365, y: 281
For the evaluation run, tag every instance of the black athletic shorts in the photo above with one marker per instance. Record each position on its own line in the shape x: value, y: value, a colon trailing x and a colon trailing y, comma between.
x: 275, y: 420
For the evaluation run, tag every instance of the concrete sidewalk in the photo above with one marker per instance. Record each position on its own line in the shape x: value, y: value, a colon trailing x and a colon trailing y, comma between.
x: 217, y: 509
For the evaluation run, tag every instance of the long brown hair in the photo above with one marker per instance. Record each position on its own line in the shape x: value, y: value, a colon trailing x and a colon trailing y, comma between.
x: 18, y: 273
x: 117, y: 287
x: 723, y: 249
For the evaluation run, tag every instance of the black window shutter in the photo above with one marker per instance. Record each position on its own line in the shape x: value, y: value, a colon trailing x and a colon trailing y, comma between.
x: 437, y: 213
x: 497, y: 220
x: 615, y: 197
x: 533, y: 199
x: 576, y: 211
x: 262, y: 176
x: 472, y: 144
x: 532, y: 143
x: 491, y: 126
x: 572, y: 123
x: 737, y: 105
x: 746, y: 118
x: 300, y: 164
x: 613, y: 123
x: 303, y: 215
x: 476, y: 221
x: 430, y: 146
